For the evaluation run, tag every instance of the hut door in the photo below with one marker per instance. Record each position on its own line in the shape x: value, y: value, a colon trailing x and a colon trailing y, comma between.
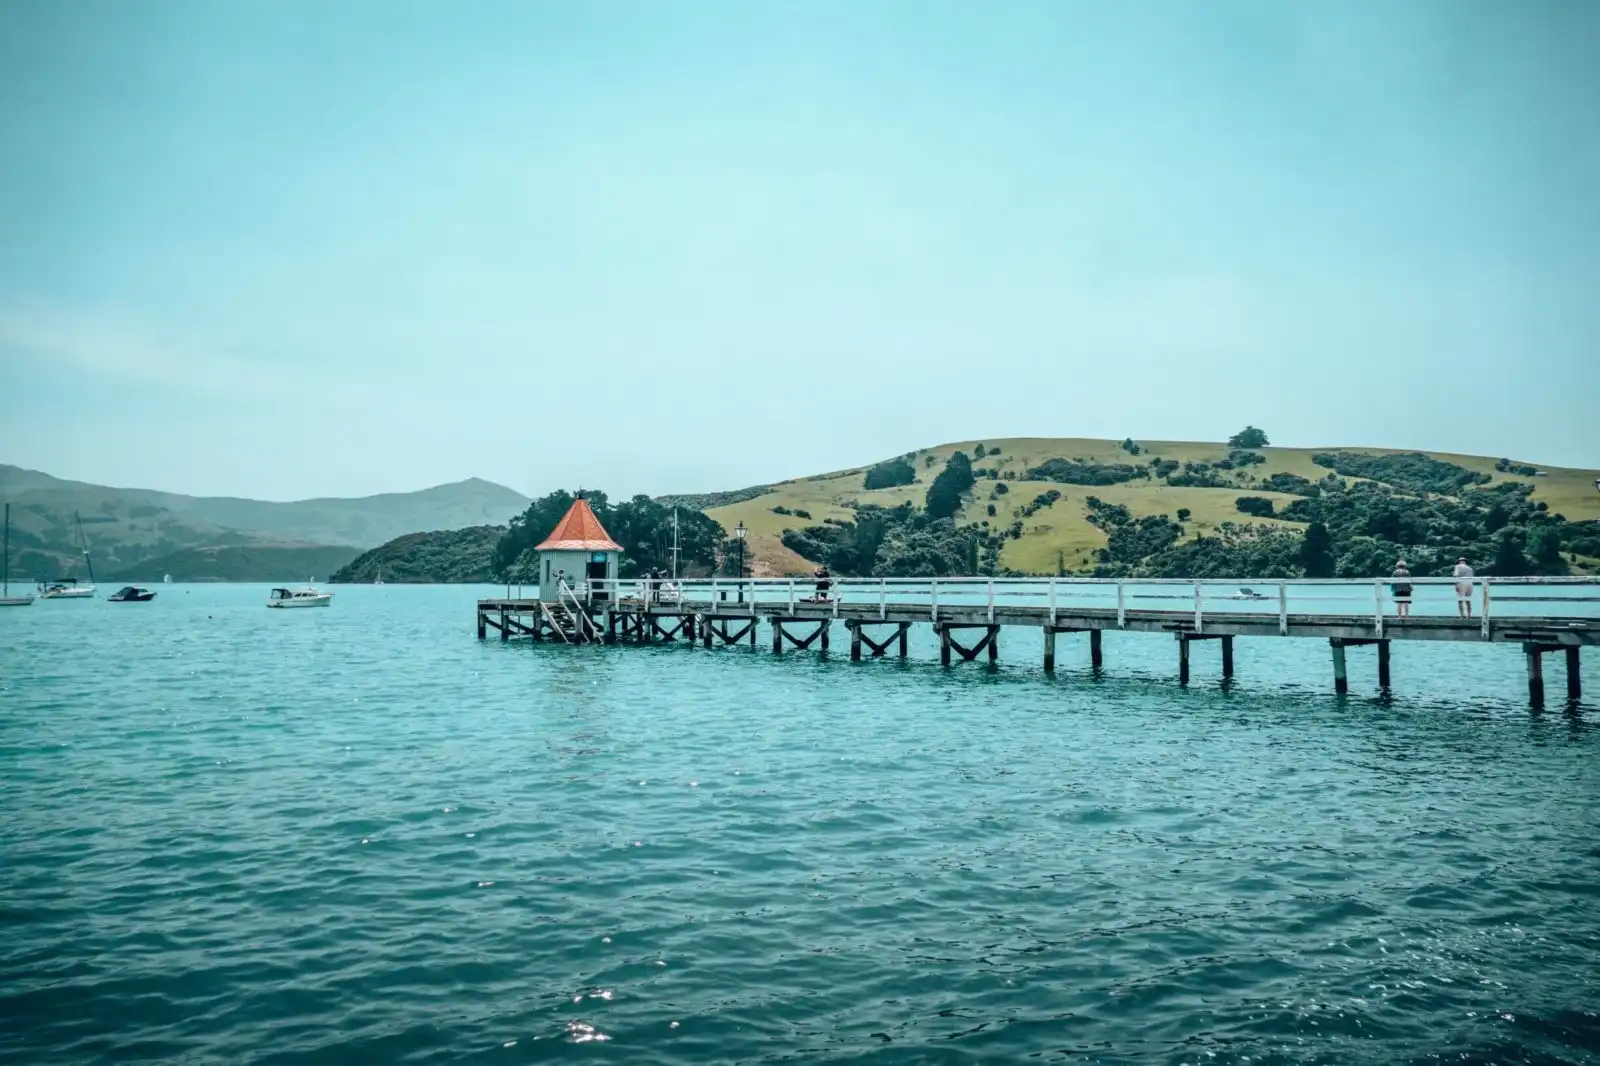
x: 596, y: 571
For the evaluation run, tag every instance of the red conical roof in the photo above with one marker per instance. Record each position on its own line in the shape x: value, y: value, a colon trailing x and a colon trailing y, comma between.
x: 579, y: 531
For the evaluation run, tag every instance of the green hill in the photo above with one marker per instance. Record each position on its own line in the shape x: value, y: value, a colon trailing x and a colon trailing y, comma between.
x: 1061, y: 534
x: 443, y: 556
x: 245, y: 562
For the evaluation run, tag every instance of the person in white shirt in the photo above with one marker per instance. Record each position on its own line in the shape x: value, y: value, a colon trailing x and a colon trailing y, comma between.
x: 1463, y: 576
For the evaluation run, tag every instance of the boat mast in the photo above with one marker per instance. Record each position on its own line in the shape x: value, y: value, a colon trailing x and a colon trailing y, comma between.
x: 6, y: 581
x: 83, y: 542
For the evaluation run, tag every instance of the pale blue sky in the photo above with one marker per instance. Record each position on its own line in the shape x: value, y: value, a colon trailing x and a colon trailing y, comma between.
x: 292, y: 249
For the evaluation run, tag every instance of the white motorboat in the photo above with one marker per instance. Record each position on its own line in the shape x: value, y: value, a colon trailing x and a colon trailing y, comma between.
x: 306, y: 597
x: 6, y: 599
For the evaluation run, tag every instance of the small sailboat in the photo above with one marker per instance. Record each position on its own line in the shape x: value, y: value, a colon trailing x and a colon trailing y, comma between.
x: 131, y: 594
x: 6, y: 599
x: 64, y: 588
x: 309, y: 596
x: 67, y: 588
x: 166, y: 579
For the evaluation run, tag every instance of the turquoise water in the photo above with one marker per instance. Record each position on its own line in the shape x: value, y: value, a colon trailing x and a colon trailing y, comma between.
x: 358, y: 835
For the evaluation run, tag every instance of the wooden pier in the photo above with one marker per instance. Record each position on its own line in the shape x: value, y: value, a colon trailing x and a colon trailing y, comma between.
x: 1542, y: 615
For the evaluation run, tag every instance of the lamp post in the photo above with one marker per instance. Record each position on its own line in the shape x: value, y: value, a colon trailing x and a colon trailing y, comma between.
x: 741, y: 532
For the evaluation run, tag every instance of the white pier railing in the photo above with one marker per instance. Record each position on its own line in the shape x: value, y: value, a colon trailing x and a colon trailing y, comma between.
x: 1489, y: 597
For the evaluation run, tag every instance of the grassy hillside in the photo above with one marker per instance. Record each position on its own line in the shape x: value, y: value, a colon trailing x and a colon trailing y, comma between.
x: 289, y: 564
x: 1061, y: 533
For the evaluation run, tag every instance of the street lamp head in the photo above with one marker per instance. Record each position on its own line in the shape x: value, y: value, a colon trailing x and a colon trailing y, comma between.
x: 740, y: 531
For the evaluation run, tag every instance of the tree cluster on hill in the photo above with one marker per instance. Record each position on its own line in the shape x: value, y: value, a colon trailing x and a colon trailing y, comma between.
x: 943, y: 498
x: 1499, y: 528
x: 1198, y: 476
x: 1293, y: 484
x: 890, y: 542
x: 889, y: 473
x: 641, y: 525
x: 1038, y: 503
x: 1086, y: 472
x: 1248, y: 437
x: 440, y: 557
x: 1408, y: 471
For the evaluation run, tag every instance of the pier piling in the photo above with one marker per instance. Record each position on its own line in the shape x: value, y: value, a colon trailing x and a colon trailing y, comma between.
x: 1383, y: 665
x: 1227, y: 657
x: 1535, y: 657
x: 1096, y: 658
x: 1049, y: 649
x: 1183, y: 659
x: 1341, y: 680
x: 1574, y: 678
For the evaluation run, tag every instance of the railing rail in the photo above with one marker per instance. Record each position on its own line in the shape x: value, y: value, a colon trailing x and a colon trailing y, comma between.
x: 1511, y: 597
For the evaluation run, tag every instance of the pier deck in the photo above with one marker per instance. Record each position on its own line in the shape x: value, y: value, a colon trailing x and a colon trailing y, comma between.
x: 1542, y: 615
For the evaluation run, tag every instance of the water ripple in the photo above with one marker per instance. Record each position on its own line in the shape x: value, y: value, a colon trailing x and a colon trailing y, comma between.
x: 363, y: 836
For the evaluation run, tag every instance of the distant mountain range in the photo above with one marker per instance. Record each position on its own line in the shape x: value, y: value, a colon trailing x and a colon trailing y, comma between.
x: 135, y: 532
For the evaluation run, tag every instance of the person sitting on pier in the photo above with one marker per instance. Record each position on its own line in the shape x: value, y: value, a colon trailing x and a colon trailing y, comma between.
x: 1402, y: 590
x: 824, y: 582
x: 1463, y: 576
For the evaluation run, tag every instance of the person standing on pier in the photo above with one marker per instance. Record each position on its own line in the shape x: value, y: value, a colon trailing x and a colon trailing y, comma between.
x: 1463, y: 576
x: 824, y: 581
x: 1402, y: 590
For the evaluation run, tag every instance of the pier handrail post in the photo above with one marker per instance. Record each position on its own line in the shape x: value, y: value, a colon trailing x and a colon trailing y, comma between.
x: 1052, y: 601
x: 838, y: 594
x: 1283, y: 608
x: 713, y: 592
x: 1199, y: 617
x: 1122, y: 606
x: 883, y: 597
x: 791, y: 595
x: 933, y: 597
x: 1377, y: 605
x: 1485, y: 611
x: 991, y: 599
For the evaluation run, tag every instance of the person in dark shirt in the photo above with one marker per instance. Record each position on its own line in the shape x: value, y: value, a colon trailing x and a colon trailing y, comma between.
x: 824, y: 582
x: 1402, y: 589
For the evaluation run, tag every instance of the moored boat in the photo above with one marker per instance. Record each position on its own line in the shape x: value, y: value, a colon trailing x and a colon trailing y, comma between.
x: 65, y: 588
x: 6, y: 599
x: 306, y: 597
x: 131, y: 594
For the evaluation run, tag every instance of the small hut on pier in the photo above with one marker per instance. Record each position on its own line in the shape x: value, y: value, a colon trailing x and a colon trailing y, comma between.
x: 578, y: 549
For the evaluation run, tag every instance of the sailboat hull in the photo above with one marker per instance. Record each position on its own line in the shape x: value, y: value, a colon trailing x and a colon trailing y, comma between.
x: 15, y: 601
x: 83, y: 592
